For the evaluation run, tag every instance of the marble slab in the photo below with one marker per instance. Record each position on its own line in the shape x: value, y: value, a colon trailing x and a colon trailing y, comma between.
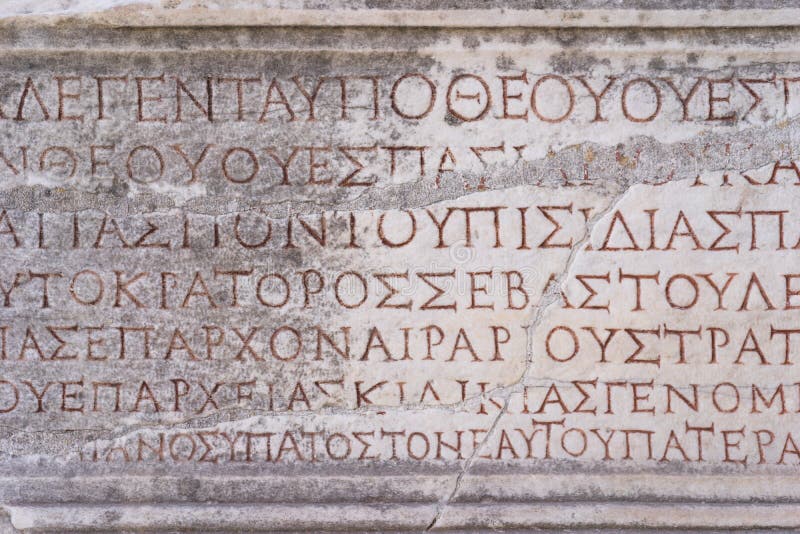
x: 399, y: 266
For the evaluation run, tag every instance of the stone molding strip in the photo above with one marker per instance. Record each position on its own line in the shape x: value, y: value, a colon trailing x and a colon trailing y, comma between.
x: 138, y: 15
x: 515, y: 501
x: 406, y: 517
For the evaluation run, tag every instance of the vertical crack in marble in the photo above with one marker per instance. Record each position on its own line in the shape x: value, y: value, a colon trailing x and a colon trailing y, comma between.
x: 549, y: 299
x: 442, y: 506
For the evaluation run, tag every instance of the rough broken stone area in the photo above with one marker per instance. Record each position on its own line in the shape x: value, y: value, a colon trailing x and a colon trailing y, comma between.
x: 396, y: 278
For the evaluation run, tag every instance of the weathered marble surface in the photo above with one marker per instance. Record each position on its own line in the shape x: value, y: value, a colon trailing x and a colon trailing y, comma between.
x: 399, y: 278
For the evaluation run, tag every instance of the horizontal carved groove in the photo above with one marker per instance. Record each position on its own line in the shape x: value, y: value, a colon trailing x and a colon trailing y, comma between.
x: 402, y: 490
x: 433, y: 18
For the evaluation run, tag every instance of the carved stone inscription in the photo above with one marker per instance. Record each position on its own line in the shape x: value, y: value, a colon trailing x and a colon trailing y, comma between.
x: 498, y: 303
x: 253, y: 261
